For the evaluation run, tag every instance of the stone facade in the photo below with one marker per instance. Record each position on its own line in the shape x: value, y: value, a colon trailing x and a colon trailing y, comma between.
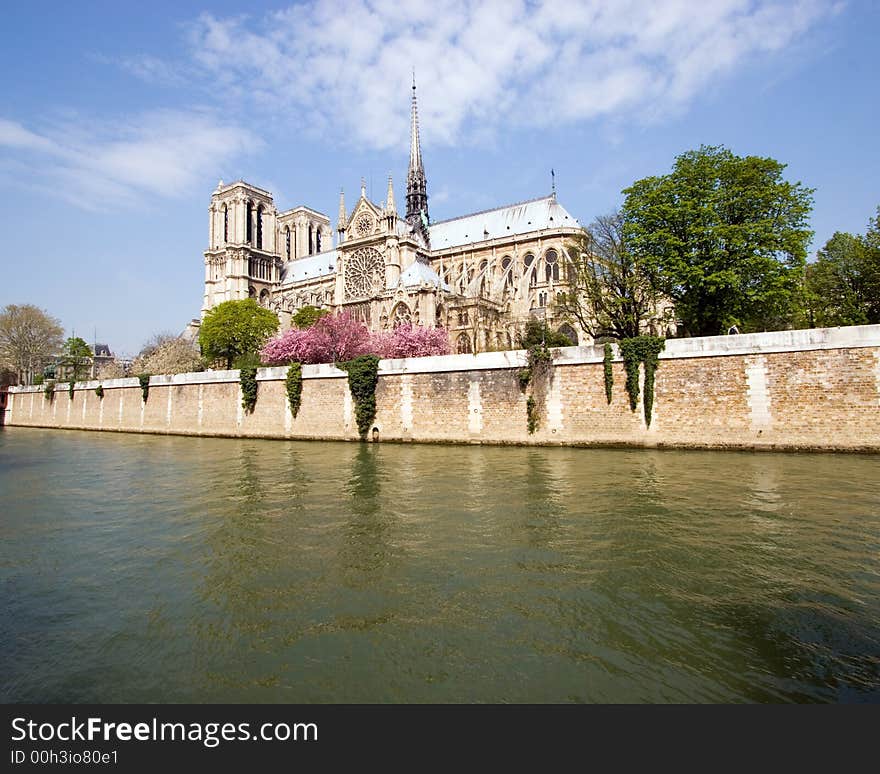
x: 812, y: 390
x: 481, y: 276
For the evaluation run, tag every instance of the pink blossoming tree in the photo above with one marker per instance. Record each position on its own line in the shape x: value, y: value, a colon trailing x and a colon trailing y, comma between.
x: 340, y: 337
x: 413, y: 341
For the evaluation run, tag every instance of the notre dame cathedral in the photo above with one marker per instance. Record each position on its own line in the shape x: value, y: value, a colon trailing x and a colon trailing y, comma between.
x: 480, y: 276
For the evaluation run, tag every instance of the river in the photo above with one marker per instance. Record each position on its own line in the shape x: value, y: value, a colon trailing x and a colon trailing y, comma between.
x: 139, y: 568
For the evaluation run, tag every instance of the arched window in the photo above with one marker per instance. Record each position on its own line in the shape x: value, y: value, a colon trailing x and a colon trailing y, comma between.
x: 533, y: 273
x: 225, y: 224
x: 264, y: 297
x: 249, y: 219
x: 318, y: 240
x: 260, y: 227
x: 506, y: 271
x: 252, y: 292
x: 463, y: 344
x: 287, y: 241
x: 401, y: 315
x: 551, y: 259
x: 567, y: 330
x: 311, y: 244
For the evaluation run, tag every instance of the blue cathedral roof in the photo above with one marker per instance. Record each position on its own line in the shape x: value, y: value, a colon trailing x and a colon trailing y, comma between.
x: 521, y: 218
x: 309, y: 268
x: 420, y: 273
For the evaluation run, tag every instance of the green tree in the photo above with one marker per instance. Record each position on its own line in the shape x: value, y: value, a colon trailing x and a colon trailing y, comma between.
x: 29, y: 337
x: 76, y: 357
x: 842, y: 287
x: 537, y: 333
x: 307, y: 316
x: 236, y: 329
x: 610, y: 290
x: 725, y: 237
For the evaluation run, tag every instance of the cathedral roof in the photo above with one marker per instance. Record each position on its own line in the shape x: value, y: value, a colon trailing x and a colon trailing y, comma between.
x: 310, y: 267
x: 420, y: 272
x: 521, y: 218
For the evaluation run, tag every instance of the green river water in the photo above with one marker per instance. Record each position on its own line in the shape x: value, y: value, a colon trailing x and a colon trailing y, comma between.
x: 139, y: 568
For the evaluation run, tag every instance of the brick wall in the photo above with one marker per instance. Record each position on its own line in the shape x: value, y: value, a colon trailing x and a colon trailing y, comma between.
x: 817, y: 389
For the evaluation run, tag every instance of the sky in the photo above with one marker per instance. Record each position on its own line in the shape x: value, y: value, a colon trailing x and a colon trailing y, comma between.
x: 118, y: 119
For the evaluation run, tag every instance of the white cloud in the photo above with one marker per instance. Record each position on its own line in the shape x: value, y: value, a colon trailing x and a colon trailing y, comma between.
x: 105, y: 165
x: 343, y: 66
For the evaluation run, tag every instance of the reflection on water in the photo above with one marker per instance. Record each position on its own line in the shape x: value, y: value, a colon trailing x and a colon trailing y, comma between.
x: 146, y: 568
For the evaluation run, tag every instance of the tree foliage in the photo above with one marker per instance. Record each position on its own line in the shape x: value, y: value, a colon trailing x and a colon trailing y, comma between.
x: 167, y: 354
x: 28, y: 338
x: 234, y: 329
x: 843, y: 286
x: 409, y: 340
x: 536, y: 333
x: 307, y: 316
x: 610, y: 292
x: 332, y: 338
x: 725, y: 237
x: 340, y: 337
x: 76, y: 356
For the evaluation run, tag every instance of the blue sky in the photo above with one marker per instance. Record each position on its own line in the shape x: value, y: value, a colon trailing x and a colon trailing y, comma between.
x: 118, y: 119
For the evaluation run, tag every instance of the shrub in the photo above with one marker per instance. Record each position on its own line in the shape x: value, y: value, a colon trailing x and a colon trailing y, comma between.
x: 70, y: 389
x: 99, y: 391
x: 49, y: 390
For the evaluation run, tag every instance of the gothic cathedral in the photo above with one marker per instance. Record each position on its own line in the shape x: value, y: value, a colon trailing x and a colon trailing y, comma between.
x: 480, y: 276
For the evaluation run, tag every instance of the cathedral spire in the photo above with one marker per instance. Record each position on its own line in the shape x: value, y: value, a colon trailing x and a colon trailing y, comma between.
x: 416, y: 183
x: 390, y: 208
x: 340, y: 222
x: 415, y: 151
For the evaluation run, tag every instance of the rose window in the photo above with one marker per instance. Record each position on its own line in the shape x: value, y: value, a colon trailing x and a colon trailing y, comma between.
x: 364, y: 273
x: 363, y: 225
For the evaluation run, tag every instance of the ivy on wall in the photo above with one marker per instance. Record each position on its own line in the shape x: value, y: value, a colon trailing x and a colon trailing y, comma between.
x: 99, y: 391
x: 363, y: 376
x: 248, y: 379
x: 49, y: 390
x: 294, y: 385
x: 144, y: 380
x: 645, y: 350
x: 70, y: 389
x: 540, y: 358
x: 531, y: 414
x: 609, y: 373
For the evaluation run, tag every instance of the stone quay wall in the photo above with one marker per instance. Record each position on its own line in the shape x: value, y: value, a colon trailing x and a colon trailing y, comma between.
x: 808, y: 389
